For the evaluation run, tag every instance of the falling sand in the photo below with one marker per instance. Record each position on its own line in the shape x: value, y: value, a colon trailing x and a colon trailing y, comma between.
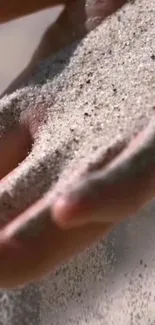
x: 93, y: 93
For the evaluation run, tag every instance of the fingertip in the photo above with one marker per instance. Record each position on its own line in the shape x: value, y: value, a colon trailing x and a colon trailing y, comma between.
x: 68, y: 214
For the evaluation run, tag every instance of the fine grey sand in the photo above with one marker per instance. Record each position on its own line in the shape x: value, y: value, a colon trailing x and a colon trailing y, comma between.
x: 93, y: 93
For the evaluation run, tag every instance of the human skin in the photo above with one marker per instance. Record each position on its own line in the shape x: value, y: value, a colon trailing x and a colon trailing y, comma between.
x: 120, y: 189
x: 53, y: 230
x: 50, y: 232
x: 13, y: 9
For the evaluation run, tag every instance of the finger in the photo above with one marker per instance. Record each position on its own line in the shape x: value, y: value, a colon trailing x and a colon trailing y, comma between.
x: 33, y: 245
x: 120, y: 190
x: 12, y: 9
x: 14, y: 147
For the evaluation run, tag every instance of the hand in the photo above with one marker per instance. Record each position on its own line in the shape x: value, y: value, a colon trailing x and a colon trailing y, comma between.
x: 33, y: 240
x: 55, y: 228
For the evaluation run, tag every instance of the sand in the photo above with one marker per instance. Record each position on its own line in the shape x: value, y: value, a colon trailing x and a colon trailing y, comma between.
x: 93, y: 93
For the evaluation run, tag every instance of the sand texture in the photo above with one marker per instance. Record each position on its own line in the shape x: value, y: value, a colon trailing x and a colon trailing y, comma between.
x: 93, y: 93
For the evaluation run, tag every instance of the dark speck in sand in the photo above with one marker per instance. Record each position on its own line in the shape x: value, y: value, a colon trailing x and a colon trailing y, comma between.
x: 153, y: 57
x: 86, y: 114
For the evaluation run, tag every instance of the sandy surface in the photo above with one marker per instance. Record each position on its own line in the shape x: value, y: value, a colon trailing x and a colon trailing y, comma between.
x: 93, y: 92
